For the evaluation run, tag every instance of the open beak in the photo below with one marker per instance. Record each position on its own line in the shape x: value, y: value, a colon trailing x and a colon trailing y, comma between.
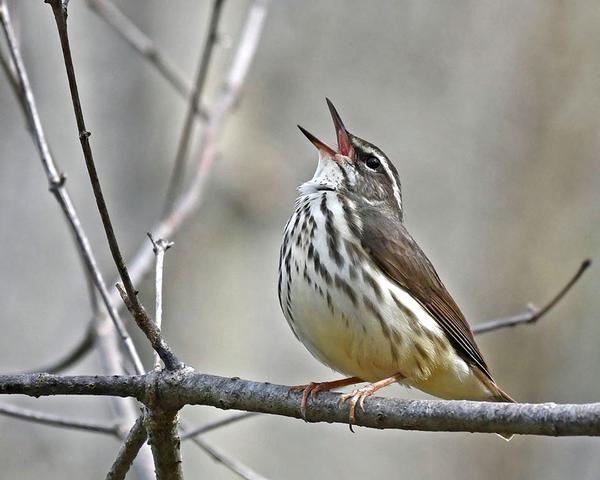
x: 343, y: 138
x: 321, y: 146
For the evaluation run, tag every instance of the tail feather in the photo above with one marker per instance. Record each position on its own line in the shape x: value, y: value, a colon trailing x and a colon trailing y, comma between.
x: 498, y: 395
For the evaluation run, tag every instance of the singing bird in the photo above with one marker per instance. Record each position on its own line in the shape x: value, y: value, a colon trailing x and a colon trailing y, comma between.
x: 361, y: 295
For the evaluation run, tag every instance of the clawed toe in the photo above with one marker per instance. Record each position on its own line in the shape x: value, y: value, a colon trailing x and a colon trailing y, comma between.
x: 356, y: 397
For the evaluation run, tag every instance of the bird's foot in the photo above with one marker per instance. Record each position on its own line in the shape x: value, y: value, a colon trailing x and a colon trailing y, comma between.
x: 359, y: 395
x: 314, y: 387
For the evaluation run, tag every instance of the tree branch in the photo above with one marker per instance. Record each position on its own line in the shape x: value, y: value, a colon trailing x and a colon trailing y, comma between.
x: 186, y: 387
x: 191, y: 199
x: 202, y: 429
x: 159, y: 247
x: 137, y: 310
x: 163, y: 437
x: 532, y: 314
x: 79, y: 351
x: 186, y: 132
x: 56, y: 181
x: 143, y: 45
x: 232, y: 464
x: 129, y: 449
x: 54, y: 420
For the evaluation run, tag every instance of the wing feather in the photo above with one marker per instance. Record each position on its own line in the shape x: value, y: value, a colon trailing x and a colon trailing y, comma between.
x: 393, y: 249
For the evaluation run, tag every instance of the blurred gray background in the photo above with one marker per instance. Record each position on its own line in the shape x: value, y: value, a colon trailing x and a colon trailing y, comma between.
x: 490, y: 111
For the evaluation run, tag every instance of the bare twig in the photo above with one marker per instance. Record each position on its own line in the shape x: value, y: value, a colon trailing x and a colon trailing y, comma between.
x: 186, y: 132
x: 532, y: 314
x: 163, y: 437
x: 56, y: 183
x: 159, y: 247
x: 187, y: 387
x: 143, y: 45
x: 202, y: 429
x: 137, y: 310
x: 54, y: 420
x: 231, y: 463
x: 191, y: 199
x: 128, y: 451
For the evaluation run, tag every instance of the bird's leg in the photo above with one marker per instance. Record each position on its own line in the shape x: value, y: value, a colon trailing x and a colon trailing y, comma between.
x: 313, y: 387
x: 359, y: 395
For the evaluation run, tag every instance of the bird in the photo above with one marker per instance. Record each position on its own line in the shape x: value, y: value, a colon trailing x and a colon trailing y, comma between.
x: 360, y: 294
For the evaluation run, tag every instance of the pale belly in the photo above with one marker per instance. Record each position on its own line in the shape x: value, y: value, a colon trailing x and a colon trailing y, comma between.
x: 352, y: 318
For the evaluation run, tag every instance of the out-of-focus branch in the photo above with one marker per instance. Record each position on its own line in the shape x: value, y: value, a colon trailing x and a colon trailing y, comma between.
x: 54, y: 420
x: 188, y: 125
x: 129, y: 449
x: 79, y: 351
x: 191, y: 199
x: 187, y: 387
x: 137, y: 310
x: 57, y: 180
x: 143, y: 45
x: 159, y: 247
x: 230, y: 463
x: 532, y: 314
x: 202, y: 429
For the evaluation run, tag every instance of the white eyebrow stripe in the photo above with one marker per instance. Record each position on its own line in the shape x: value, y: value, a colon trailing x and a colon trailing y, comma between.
x: 395, y: 187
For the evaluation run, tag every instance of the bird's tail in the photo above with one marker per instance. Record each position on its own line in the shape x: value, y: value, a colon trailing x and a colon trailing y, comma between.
x: 497, y: 395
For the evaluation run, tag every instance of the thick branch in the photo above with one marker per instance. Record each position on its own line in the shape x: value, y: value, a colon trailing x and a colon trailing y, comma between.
x: 128, y: 451
x: 163, y: 437
x: 187, y: 387
x: 141, y: 317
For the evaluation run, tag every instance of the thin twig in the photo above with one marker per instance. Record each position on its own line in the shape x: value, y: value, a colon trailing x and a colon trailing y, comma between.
x: 202, y: 429
x: 191, y: 199
x: 532, y: 314
x: 129, y: 449
x: 188, y: 125
x: 231, y: 463
x: 137, y: 310
x: 54, y: 420
x: 159, y: 247
x: 57, y: 186
x: 143, y: 45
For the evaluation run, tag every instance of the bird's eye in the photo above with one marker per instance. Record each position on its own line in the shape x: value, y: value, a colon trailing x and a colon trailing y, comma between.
x: 373, y: 163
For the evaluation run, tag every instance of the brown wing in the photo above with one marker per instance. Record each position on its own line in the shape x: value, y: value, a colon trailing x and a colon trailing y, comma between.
x: 393, y: 249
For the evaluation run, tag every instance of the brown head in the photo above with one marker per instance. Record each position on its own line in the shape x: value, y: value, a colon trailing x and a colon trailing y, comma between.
x: 357, y: 169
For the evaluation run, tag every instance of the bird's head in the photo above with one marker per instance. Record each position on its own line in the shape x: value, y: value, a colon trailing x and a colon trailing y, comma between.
x: 357, y: 169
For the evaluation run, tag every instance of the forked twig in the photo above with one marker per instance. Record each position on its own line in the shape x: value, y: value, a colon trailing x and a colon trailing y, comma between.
x: 532, y: 314
x: 57, y: 180
x: 137, y: 310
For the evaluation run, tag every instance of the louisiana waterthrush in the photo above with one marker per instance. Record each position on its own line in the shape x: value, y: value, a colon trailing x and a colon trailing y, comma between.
x: 361, y: 295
